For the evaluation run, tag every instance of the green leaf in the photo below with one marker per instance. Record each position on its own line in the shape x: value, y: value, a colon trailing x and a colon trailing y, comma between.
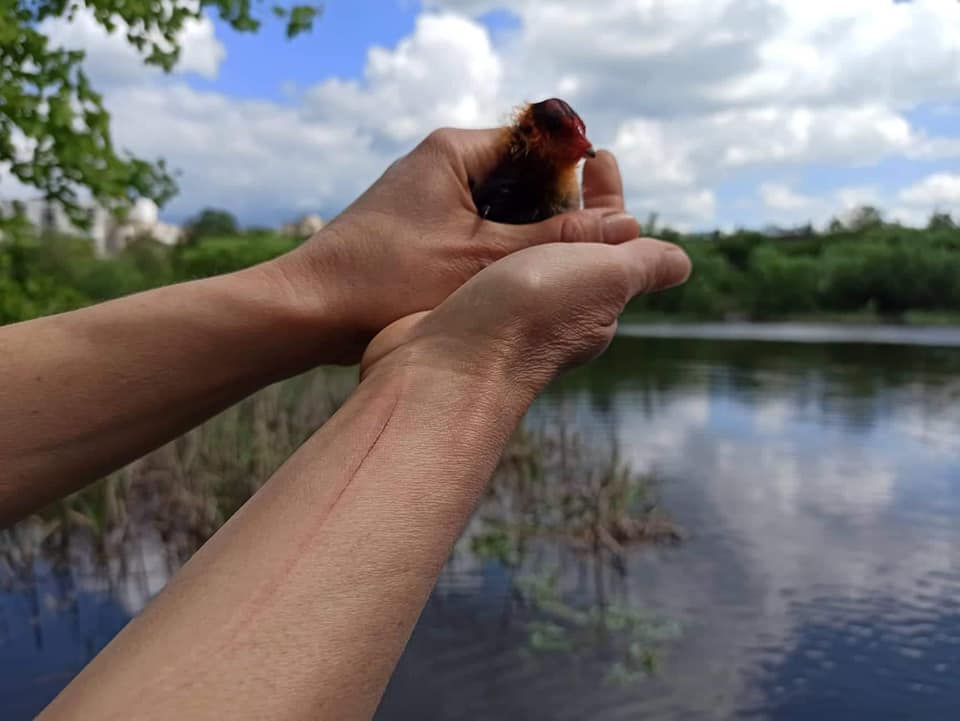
x: 54, y: 129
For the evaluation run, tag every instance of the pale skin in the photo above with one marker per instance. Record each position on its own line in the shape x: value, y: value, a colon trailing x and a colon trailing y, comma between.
x: 300, y: 606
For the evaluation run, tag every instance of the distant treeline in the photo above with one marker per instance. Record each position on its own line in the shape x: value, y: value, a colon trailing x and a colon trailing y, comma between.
x: 40, y: 275
x: 864, y: 267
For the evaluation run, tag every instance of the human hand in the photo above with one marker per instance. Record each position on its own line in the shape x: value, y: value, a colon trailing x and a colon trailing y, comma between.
x: 414, y: 237
x: 530, y: 315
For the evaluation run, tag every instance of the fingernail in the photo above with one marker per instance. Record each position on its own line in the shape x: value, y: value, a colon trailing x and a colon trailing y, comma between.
x: 620, y: 227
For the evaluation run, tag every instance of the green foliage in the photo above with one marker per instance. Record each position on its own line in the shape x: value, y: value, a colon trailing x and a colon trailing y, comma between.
x: 210, y: 223
x: 782, y: 283
x: 941, y: 221
x: 39, y: 276
x: 865, y: 218
x: 54, y: 130
x: 27, y: 287
x: 862, y: 266
x: 213, y: 256
x: 891, y: 276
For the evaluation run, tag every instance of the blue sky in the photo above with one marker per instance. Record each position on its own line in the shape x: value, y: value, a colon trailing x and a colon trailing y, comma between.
x: 267, y: 65
x: 264, y: 64
x: 722, y: 113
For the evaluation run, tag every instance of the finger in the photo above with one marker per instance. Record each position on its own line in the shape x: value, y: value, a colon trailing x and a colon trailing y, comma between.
x: 593, y: 225
x: 653, y: 265
x: 482, y: 150
x: 474, y: 153
x: 602, y: 183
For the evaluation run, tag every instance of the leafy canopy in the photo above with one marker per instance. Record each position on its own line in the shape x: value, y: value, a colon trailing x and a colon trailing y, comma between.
x: 212, y: 223
x: 54, y: 129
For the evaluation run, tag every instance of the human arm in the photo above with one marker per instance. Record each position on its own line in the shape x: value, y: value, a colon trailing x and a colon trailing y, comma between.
x: 85, y: 392
x: 301, y: 604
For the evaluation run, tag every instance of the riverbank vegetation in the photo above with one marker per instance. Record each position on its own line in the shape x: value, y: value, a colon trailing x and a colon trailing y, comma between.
x: 862, y: 270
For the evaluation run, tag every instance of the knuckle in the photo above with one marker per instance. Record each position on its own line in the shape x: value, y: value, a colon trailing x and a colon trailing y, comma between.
x: 572, y: 230
x: 581, y: 228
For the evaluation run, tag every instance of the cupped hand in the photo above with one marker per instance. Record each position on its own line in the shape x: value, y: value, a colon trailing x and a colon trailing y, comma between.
x: 414, y: 237
x: 532, y: 314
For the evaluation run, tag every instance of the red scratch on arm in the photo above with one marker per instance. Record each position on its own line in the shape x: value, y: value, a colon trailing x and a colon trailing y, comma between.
x: 275, y: 585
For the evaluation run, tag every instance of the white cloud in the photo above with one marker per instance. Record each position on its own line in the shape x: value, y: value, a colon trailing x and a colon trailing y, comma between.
x: 941, y: 190
x: 667, y: 161
x: 690, y: 96
x: 110, y: 59
x: 684, y: 211
x: 259, y: 159
x: 264, y: 160
x: 778, y: 196
x: 854, y: 52
x: 937, y: 193
x: 445, y: 73
x: 804, y: 134
x: 852, y: 198
x: 784, y: 205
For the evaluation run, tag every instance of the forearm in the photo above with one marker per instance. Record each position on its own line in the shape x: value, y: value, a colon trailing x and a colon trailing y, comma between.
x: 301, y: 605
x: 85, y: 392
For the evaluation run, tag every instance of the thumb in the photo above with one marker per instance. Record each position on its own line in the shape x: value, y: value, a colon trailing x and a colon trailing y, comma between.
x: 653, y: 265
x: 591, y: 225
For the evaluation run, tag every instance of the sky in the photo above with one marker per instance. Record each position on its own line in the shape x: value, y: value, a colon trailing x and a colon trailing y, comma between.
x: 722, y: 113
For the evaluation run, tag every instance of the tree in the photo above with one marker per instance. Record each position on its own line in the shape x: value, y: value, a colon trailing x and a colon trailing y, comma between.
x: 54, y: 130
x: 941, y: 221
x: 211, y: 223
x: 836, y: 226
x: 865, y: 218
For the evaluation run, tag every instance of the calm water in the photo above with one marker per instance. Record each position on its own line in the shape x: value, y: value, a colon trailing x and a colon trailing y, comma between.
x: 820, y: 485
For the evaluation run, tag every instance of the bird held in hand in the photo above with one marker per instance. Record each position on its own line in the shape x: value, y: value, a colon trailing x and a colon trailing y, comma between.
x: 536, y: 176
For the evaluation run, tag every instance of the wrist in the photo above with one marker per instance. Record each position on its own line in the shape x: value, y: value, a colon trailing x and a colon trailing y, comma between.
x: 459, y: 415
x: 305, y: 296
x: 444, y: 364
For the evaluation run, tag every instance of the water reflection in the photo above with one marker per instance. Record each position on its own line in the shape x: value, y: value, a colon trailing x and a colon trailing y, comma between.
x: 821, y: 485
x: 805, y: 473
x: 905, y: 653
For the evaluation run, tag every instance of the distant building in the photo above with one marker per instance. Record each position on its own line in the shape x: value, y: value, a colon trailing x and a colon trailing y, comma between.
x: 109, y: 235
x: 304, y: 227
